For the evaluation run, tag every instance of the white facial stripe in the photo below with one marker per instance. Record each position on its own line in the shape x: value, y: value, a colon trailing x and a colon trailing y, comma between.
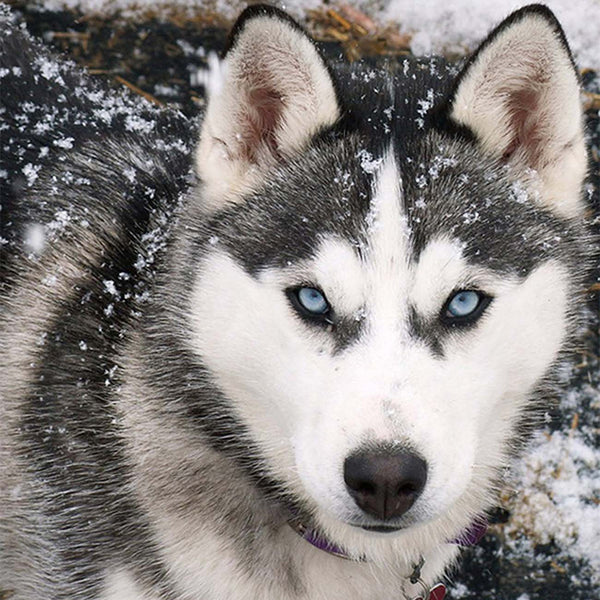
x: 388, y: 251
x: 380, y: 282
x: 387, y: 225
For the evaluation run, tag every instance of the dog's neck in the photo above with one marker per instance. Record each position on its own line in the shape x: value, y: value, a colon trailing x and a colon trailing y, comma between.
x: 469, y: 537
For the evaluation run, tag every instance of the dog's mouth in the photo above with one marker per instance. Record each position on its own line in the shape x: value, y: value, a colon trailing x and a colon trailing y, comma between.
x: 380, y: 528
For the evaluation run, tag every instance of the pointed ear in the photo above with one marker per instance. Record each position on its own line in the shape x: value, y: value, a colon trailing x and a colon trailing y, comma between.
x: 519, y: 94
x: 276, y: 93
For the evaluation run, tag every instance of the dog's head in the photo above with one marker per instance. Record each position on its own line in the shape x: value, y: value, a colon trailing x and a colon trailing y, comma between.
x: 387, y: 274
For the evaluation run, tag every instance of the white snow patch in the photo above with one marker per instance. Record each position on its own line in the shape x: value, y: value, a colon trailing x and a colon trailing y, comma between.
x: 35, y: 238
x: 50, y: 70
x: 165, y: 90
x: 138, y: 124
x: 110, y: 287
x: 61, y: 218
x: 64, y: 143
x: 190, y: 50
x: 458, y: 26
x: 518, y: 193
x: 425, y: 105
x: 129, y: 174
x: 50, y: 280
x: 31, y: 172
x: 459, y: 590
x: 558, y: 492
x: 367, y: 162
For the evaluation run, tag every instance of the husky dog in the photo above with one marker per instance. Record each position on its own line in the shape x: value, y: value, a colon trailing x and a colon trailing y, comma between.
x: 300, y: 375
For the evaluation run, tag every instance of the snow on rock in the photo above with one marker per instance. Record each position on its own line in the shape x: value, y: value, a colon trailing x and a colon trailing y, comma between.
x: 556, y: 484
x: 561, y: 476
x: 459, y: 25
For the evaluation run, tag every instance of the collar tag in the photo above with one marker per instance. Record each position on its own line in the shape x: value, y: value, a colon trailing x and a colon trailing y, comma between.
x: 437, y: 592
x: 415, y: 576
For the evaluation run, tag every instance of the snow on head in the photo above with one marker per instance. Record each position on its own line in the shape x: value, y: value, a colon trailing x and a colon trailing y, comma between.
x: 35, y: 238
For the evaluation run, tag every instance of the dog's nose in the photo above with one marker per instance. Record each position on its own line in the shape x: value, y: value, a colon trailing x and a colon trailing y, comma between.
x: 385, y: 484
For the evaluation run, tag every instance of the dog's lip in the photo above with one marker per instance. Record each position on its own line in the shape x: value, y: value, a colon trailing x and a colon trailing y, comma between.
x: 380, y: 528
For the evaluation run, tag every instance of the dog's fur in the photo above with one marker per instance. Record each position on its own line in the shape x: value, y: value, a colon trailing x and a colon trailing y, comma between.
x: 167, y: 407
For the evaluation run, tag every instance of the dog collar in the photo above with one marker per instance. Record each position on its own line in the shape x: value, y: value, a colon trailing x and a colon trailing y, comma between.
x: 319, y: 541
x: 472, y: 535
x: 469, y: 537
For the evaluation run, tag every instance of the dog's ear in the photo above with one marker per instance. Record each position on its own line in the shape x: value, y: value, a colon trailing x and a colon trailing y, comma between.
x: 275, y: 94
x: 519, y: 94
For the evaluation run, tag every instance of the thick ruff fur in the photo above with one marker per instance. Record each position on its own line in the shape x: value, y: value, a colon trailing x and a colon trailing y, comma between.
x: 167, y: 406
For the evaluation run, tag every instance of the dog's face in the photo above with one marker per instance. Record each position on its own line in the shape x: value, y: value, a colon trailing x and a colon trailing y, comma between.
x: 381, y: 310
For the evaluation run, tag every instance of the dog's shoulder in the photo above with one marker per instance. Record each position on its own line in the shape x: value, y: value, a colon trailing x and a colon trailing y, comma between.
x: 76, y: 152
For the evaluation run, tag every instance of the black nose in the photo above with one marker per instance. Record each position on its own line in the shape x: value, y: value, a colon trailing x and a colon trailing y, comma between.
x: 385, y: 484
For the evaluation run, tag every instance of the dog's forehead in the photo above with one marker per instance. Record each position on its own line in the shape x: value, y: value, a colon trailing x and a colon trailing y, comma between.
x: 366, y: 192
x: 323, y: 193
x: 452, y: 189
x: 384, y: 250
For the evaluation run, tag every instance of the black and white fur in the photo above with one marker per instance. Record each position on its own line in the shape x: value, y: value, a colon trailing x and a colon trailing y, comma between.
x: 166, y: 409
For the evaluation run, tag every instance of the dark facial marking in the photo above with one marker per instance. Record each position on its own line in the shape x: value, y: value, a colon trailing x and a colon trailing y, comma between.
x: 428, y: 331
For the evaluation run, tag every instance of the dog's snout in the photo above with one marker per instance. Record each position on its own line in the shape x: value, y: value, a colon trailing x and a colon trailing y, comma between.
x: 385, y: 484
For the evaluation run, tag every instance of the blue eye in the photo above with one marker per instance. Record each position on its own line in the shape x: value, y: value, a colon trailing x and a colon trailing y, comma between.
x: 465, y: 306
x: 310, y: 303
x: 312, y: 300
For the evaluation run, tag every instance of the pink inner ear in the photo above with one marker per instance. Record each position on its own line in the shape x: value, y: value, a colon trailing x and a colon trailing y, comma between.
x: 526, y: 126
x: 263, y: 118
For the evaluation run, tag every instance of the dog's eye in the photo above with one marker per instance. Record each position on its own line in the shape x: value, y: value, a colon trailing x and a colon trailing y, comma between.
x: 465, y: 306
x: 310, y: 302
x: 462, y: 304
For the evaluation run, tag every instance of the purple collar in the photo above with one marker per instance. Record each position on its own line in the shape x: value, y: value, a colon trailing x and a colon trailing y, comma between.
x: 316, y: 540
x: 472, y: 535
x: 469, y: 537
